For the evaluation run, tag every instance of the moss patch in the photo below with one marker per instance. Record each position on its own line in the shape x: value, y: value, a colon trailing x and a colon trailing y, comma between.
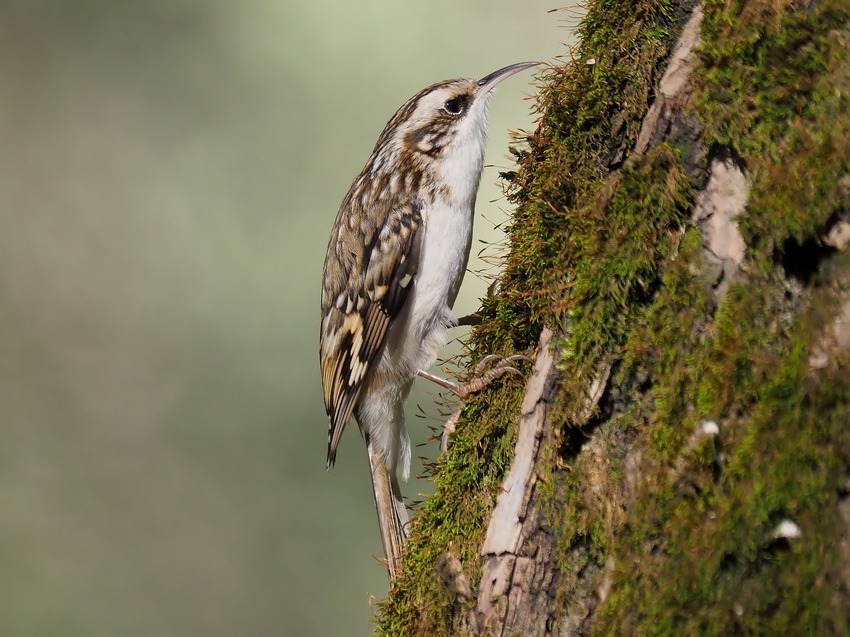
x: 774, y: 89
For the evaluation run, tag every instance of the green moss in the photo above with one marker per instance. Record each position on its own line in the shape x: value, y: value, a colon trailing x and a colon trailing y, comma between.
x: 567, y: 162
x: 600, y: 250
x: 774, y: 91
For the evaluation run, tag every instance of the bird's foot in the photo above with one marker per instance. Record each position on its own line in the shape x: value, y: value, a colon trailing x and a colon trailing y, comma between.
x: 480, y: 378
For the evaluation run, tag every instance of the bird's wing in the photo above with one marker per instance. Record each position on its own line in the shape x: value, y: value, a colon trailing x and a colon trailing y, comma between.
x: 369, y: 271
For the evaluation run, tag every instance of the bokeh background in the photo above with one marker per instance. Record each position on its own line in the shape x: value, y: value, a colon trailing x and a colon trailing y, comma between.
x: 169, y: 172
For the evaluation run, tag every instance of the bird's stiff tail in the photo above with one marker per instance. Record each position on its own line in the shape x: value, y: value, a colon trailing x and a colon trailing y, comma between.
x: 392, y: 515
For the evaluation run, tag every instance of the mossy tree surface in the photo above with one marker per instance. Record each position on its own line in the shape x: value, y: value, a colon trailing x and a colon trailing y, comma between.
x: 681, y: 535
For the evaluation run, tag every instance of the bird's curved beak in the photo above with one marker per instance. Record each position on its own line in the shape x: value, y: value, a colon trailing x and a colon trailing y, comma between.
x: 488, y: 83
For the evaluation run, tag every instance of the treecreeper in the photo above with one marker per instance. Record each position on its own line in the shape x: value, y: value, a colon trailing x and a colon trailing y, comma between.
x: 395, y: 261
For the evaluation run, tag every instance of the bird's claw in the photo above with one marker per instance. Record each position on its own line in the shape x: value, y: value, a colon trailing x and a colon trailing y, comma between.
x: 480, y: 378
x: 505, y: 363
x: 479, y: 381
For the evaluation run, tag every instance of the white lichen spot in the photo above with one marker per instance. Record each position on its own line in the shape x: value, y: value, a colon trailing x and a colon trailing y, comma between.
x: 709, y: 428
x: 787, y: 530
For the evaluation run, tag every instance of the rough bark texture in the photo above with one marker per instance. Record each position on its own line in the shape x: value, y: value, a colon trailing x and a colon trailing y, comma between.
x: 678, y: 459
x: 517, y: 576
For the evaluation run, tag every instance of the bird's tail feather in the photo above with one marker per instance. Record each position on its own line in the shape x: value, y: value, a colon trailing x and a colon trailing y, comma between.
x: 392, y: 514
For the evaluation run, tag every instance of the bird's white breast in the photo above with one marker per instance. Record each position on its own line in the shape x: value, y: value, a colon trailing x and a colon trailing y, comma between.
x: 448, y: 223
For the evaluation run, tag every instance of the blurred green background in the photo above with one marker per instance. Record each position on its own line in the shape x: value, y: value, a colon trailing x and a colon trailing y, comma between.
x: 169, y: 172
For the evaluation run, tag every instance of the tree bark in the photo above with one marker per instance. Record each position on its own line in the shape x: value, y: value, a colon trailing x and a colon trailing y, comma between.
x: 680, y: 456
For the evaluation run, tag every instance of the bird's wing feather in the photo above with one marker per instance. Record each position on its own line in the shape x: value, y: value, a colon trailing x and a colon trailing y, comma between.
x: 357, y: 311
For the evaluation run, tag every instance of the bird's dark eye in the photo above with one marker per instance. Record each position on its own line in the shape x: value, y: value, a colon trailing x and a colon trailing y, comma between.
x: 454, y: 106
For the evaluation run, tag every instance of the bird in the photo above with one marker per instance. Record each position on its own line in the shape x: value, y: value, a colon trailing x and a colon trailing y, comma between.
x: 395, y: 260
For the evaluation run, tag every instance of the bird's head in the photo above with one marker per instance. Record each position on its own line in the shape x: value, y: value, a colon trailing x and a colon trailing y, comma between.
x: 444, y: 117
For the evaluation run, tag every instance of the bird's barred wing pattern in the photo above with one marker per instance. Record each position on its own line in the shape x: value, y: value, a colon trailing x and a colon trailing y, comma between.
x: 357, y: 311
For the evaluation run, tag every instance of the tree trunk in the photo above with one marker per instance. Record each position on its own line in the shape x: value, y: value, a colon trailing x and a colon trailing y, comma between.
x: 677, y: 460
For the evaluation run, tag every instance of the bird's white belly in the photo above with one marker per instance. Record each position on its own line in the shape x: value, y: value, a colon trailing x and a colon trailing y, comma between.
x: 448, y: 238
x: 442, y: 264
